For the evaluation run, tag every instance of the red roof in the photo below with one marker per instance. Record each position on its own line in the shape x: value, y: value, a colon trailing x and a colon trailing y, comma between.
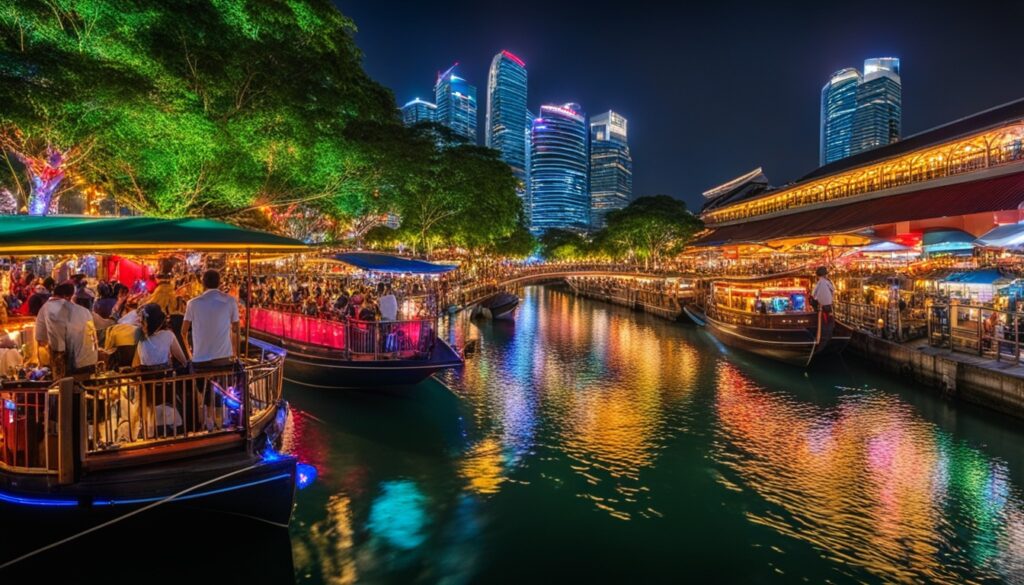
x: 997, y: 194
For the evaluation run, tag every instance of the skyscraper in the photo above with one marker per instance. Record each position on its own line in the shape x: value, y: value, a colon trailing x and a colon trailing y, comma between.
x: 417, y: 111
x: 456, y: 104
x: 558, y: 169
x: 506, y: 111
x: 611, y: 166
x: 838, y: 105
x: 878, y: 119
x: 860, y: 112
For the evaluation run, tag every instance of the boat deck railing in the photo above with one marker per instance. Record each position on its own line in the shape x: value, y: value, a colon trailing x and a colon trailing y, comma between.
x: 366, y: 340
x: 788, y: 320
x: 117, y: 419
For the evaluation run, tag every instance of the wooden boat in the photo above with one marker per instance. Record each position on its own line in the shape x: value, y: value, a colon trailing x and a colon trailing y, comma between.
x: 326, y: 353
x: 109, y: 444
x: 500, y: 305
x: 770, y: 317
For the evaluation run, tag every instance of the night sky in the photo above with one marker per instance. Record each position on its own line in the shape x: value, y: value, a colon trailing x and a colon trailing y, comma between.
x: 711, y: 92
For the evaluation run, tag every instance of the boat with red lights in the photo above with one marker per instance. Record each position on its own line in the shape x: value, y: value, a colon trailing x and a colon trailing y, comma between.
x: 339, y: 352
x: 769, y: 316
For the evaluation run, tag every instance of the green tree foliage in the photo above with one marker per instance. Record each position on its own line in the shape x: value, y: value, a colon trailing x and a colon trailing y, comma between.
x: 649, y: 228
x: 196, y: 106
x: 562, y: 245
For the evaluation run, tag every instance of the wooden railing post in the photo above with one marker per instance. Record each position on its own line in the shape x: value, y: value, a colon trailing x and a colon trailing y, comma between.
x: 66, y: 431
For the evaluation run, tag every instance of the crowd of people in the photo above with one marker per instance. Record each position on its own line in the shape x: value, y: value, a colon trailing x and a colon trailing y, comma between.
x: 83, y: 326
x: 335, y: 298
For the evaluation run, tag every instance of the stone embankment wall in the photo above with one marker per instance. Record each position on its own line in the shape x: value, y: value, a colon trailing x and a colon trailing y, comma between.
x: 953, y: 375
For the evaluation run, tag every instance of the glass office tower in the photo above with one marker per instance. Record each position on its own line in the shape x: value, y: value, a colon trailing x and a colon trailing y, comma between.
x: 456, y: 104
x: 559, y: 166
x: 611, y: 166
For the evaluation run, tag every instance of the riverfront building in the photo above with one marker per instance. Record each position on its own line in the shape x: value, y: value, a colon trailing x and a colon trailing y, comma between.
x: 611, y: 166
x: 456, y: 104
x: 860, y: 112
x: 507, y: 119
x: 418, y: 111
x: 967, y: 175
x: 559, y: 166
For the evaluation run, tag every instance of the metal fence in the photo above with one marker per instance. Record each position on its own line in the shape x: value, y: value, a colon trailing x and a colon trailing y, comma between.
x: 977, y: 330
x: 24, y: 428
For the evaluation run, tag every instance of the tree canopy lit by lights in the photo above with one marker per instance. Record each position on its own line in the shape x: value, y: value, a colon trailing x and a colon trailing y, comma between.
x: 240, y: 109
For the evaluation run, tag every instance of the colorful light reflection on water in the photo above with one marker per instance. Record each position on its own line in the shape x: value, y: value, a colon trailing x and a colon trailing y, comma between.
x: 587, y: 442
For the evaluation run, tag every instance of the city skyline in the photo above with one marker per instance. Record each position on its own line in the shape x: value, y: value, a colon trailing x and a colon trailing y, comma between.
x: 687, y: 88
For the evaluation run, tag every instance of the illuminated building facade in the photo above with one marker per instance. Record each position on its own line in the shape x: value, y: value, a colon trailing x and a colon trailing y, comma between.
x: 838, y: 105
x: 879, y: 114
x: 611, y: 166
x: 456, y: 104
x: 418, y: 111
x: 860, y: 112
x: 559, y: 166
x: 507, y: 114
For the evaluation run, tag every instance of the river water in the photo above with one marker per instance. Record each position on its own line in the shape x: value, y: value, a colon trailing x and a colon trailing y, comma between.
x: 589, y: 443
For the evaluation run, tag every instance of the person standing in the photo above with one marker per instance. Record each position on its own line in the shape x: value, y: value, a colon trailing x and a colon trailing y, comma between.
x: 40, y: 295
x: 212, y: 319
x: 67, y: 330
x: 824, y: 291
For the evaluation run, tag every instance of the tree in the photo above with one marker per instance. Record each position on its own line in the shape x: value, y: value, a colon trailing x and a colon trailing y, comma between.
x: 560, y: 245
x: 187, y: 108
x: 649, y: 228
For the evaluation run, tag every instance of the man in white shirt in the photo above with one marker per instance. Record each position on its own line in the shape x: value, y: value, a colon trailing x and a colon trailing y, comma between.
x: 68, y: 332
x: 212, y: 318
x: 824, y: 291
x: 388, y: 306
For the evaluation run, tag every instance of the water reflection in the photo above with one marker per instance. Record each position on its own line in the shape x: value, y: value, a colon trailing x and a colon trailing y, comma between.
x: 642, y: 445
x: 868, y: 482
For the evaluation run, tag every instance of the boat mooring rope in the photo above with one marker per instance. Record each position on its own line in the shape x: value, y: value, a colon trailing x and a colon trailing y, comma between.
x: 125, y: 516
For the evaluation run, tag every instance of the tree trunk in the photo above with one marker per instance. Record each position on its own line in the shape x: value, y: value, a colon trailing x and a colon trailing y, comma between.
x: 45, y: 174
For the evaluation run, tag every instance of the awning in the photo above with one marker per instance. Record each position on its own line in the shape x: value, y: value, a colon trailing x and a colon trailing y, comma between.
x: 996, y: 194
x: 1009, y: 236
x: 979, y: 277
x: 23, y: 234
x: 387, y: 263
x: 886, y: 247
x: 940, y: 241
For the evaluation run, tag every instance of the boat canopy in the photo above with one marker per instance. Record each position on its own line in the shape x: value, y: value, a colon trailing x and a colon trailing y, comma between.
x: 35, y: 234
x: 395, y: 264
x: 1009, y: 236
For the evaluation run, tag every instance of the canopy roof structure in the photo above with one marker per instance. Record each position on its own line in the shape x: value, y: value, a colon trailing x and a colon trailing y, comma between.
x: 23, y: 234
x: 984, y: 276
x: 984, y: 195
x: 393, y: 264
x: 1010, y: 236
x: 886, y: 247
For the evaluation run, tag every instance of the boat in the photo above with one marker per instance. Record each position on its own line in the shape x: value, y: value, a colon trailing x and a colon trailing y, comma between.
x: 108, y: 445
x: 501, y: 305
x: 349, y: 353
x: 769, y: 316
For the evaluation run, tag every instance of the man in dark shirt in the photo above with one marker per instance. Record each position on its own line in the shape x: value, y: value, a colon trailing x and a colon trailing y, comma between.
x: 40, y: 296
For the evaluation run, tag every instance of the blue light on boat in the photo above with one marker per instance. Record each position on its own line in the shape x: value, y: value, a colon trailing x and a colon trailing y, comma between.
x: 9, y: 404
x: 24, y: 501
x: 269, y: 455
x: 305, y: 475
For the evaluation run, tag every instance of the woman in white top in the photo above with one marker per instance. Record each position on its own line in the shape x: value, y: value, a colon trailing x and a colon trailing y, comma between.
x: 159, y: 346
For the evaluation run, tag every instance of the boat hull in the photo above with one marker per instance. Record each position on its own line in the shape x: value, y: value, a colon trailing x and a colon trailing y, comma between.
x: 499, y: 306
x: 325, y: 368
x: 231, y: 483
x: 797, y: 347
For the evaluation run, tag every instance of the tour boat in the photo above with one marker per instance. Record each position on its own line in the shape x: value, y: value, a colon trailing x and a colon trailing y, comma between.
x: 770, y: 317
x: 117, y: 443
x: 329, y: 353
x: 500, y: 305
x: 349, y: 353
